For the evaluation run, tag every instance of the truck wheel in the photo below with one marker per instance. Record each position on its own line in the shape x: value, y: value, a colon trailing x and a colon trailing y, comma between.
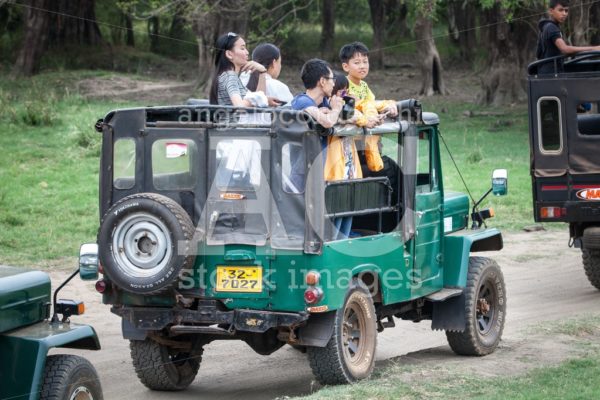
x: 144, y: 243
x: 485, y: 310
x: 69, y: 377
x: 161, y: 367
x: 350, y: 353
x: 591, y: 265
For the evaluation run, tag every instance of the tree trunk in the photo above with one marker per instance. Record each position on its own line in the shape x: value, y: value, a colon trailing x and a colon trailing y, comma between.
x: 35, y: 39
x: 595, y: 21
x: 461, y: 27
x: 130, y: 39
x: 579, y: 22
x: 511, y: 46
x: 81, y: 30
x: 429, y: 58
x: 327, y: 29
x: 378, y: 23
x: 153, y: 33
x: 396, y: 12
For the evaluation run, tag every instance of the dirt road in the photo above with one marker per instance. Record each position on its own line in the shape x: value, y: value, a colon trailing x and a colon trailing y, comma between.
x: 544, y: 279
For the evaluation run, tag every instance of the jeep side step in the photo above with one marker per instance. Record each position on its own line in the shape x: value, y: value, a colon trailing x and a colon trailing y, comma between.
x: 444, y: 294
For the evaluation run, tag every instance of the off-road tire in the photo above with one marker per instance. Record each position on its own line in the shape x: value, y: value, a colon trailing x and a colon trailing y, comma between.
x: 162, y: 368
x: 591, y: 265
x: 591, y: 238
x: 483, y: 329
x: 70, y: 377
x: 335, y: 364
x: 145, y: 243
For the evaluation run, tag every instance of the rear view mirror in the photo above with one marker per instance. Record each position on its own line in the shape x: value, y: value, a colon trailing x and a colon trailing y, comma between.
x: 500, y: 182
x: 88, y: 261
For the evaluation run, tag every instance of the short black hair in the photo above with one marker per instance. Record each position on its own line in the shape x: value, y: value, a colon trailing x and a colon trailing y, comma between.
x: 554, y: 3
x: 312, y: 71
x: 349, y: 50
x: 341, y: 82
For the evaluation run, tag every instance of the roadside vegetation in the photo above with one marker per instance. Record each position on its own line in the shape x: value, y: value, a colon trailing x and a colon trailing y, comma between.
x: 575, y: 378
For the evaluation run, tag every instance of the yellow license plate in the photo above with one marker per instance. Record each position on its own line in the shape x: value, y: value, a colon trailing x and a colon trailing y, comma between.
x: 239, y: 279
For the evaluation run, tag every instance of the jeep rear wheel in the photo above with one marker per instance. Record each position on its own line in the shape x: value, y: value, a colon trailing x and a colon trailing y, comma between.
x: 350, y: 353
x: 485, y: 310
x: 144, y: 243
x: 70, y: 377
x: 160, y: 367
x: 591, y: 265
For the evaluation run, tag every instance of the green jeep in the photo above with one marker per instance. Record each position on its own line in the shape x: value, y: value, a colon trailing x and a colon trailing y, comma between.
x: 217, y: 224
x: 28, y: 330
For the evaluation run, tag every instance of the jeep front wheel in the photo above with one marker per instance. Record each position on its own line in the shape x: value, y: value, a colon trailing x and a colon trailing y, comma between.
x: 485, y: 310
x: 350, y: 353
x: 160, y: 367
x: 144, y: 243
x: 70, y: 377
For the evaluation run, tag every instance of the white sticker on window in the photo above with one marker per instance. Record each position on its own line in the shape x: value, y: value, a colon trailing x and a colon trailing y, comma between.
x: 175, y: 150
x: 447, y: 224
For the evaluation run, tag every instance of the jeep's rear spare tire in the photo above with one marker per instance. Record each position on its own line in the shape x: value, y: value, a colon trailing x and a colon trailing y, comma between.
x: 144, y: 243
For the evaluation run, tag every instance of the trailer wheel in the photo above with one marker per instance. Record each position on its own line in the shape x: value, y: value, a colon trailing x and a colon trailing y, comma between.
x: 350, y: 353
x: 160, y: 367
x: 591, y: 265
x: 485, y: 310
x: 69, y: 377
x: 144, y: 243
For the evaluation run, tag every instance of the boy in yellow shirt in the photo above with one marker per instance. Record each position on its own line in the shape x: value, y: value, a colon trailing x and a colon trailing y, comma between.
x: 355, y: 62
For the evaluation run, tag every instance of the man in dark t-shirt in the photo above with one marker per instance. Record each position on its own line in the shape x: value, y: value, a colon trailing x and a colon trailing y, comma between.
x: 551, y: 42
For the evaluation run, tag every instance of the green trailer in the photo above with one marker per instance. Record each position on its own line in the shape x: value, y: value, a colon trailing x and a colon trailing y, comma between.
x: 29, y: 329
x: 217, y: 224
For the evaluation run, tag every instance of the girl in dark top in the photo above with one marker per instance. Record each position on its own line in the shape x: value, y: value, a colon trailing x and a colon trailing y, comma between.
x: 231, y: 58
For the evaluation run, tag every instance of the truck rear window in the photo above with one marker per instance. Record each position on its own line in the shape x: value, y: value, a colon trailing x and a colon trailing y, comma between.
x: 550, y: 125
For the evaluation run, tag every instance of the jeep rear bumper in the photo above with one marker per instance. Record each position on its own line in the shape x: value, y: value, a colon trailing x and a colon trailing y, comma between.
x: 200, y: 319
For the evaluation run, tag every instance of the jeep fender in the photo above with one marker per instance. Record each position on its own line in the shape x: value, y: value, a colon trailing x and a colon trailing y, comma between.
x: 24, y: 353
x: 459, y: 245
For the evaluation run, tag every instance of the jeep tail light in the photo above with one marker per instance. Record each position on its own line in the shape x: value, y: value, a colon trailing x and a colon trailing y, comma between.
x: 313, y: 278
x: 69, y: 307
x: 553, y: 212
x: 313, y: 295
x: 101, y: 286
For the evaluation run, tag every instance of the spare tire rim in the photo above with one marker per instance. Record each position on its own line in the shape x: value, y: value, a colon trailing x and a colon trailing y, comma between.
x: 82, y: 393
x: 141, y: 245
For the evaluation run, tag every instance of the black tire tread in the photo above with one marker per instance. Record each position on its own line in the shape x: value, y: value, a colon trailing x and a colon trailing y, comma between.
x: 591, y: 238
x: 466, y: 343
x: 57, y: 372
x: 150, y: 366
x: 184, y: 221
x: 591, y: 266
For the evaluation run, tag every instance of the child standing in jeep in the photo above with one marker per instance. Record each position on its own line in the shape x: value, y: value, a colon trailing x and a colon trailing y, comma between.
x: 550, y: 40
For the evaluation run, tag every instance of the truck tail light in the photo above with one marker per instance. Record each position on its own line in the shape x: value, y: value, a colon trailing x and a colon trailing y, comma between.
x: 553, y: 212
x: 101, y: 286
x: 313, y: 295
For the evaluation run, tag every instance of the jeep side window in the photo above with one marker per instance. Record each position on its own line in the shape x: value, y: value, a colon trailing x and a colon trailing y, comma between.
x: 423, y: 163
x: 124, y: 160
x: 549, y: 125
x: 293, y: 174
x: 238, y: 164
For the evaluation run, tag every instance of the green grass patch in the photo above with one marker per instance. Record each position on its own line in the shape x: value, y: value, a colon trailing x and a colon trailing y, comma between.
x: 49, y: 168
x: 573, y: 379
